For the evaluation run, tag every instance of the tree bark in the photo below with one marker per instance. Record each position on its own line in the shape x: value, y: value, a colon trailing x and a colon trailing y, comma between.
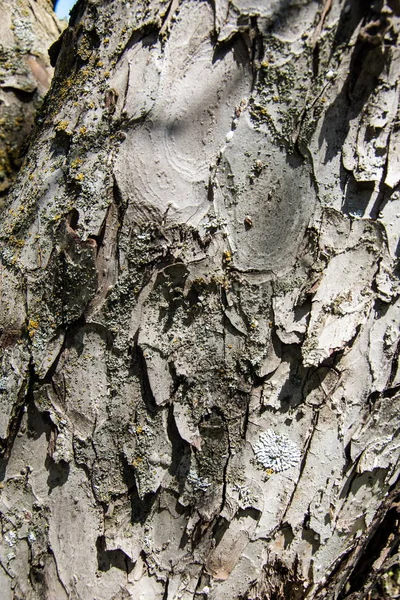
x: 199, y: 315
x: 27, y: 29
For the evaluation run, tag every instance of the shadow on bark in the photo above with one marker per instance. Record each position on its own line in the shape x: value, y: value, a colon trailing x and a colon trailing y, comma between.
x: 106, y: 559
x: 58, y: 473
x: 367, y: 63
x: 140, y: 507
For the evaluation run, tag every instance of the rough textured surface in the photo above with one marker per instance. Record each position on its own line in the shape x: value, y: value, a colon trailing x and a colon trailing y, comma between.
x: 201, y: 248
x: 27, y: 29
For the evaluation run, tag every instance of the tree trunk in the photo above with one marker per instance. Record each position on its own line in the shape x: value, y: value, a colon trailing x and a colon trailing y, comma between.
x: 199, y: 314
x: 27, y: 28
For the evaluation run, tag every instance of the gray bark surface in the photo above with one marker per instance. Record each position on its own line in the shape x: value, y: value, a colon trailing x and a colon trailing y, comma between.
x: 27, y: 29
x: 199, y: 311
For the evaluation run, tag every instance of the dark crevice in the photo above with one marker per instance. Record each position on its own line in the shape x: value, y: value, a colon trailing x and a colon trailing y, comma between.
x: 106, y: 559
x: 128, y: 475
x: 38, y: 423
x: 373, y: 397
x: 165, y: 595
x: 140, y: 507
x: 236, y: 44
x: 77, y: 12
x: 55, y: 49
x: 220, y: 528
x: 347, y: 454
x: 309, y: 535
x: 315, y: 63
x: 140, y: 369
x: 291, y: 394
x: 72, y: 218
x: 384, y: 192
x: 348, y: 22
x: 99, y: 237
x: 391, y: 392
x: 179, y: 381
x: 21, y: 95
x: 25, y: 396
x: 167, y: 17
x: 58, y: 473
x: 288, y: 534
x: 181, y: 452
x: 61, y: 144
x: 354, y: 573
x: 183, y: 542
x: 352, y: 476
x: 121, y: 208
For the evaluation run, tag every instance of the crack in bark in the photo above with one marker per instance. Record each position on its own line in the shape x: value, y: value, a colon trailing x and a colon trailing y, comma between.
x: 64, y: 587
x: 167, y: 18
x: 25, y: 394
x: 355, y: 555
x: 303, y: 462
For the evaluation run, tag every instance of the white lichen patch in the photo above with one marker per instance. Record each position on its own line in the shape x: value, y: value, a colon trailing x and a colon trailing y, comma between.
x: 197, y: 483
x: 10, y: 537
x: 276, y: 452
x: 31, y: 537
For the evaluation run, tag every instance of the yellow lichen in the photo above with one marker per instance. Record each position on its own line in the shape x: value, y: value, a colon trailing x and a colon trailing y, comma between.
x: 62, y: 125
x: 17, y: 242
x: 33, y: 326
x: 76, y: 163
x: 262, y: 110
